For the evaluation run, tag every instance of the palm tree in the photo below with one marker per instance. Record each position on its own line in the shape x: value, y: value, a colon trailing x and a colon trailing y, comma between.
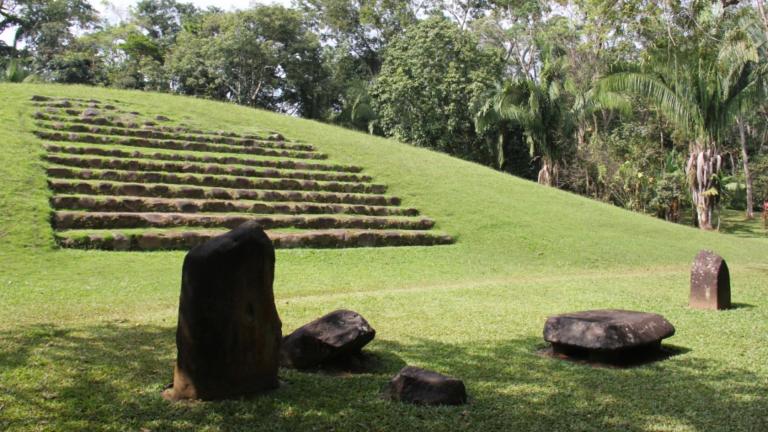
x: 701, y: 95
x: 540, y: 109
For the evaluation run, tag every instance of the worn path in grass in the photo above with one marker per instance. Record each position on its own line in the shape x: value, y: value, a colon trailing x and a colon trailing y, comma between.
x: 87, y: 343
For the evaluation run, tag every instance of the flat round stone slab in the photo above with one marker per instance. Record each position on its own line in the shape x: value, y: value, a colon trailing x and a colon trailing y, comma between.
x: 607, y: 330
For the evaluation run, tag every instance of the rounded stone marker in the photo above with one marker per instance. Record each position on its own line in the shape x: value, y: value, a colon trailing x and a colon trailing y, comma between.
x: 424, y: 387
x: 609, y: 334
x: 710, y: 282
x: 228, y: 336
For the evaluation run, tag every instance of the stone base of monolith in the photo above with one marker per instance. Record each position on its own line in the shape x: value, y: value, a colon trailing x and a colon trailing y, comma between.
x: 229, y: 333
x: 710, y: 282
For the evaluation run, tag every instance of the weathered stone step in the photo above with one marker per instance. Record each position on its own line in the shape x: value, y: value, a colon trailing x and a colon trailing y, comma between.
x: 74, y: 114
x: 198, y: 157
x: 173, y: 145
x: 184, y: 240
x: 70, y: 186
x: 217, y: 169
x: 213, y: 180
x: 63, y: 220
x: 175, y: 136
x: 174, y: 205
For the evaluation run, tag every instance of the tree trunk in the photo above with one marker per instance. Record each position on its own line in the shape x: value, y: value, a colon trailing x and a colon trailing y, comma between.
x: 747, y: 175
x: 701, y: 167
x: 546, y: 173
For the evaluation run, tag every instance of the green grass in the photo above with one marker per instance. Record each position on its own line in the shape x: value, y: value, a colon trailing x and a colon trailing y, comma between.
x: 87, y: 337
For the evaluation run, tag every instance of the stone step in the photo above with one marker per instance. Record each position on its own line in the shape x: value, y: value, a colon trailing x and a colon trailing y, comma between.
x: 185, y: 240
x: 198, y: 157
x: 153, y: 133
x: 174, y: 205
x: 213, y: 180
x: 81, y: 187
x: 211, y: 168
x: 65, y: 220
x: 173, y: 145
x: 74, y: 114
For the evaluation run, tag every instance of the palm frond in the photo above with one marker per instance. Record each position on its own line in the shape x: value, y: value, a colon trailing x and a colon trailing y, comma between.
x: 674, y: 104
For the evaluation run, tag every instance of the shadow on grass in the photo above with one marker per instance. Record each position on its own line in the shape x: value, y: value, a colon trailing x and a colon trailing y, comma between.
x: 109, y: 377
x: 742, y: 306
x: 741, y: 227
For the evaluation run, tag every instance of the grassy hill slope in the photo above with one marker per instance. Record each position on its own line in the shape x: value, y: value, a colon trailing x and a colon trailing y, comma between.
x: 87, y: 336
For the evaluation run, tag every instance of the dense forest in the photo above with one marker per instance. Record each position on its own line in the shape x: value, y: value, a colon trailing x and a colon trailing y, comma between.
x: 655, y: 106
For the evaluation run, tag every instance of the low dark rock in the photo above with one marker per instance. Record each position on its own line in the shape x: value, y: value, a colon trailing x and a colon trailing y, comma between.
x: 424, y: 387
x: 276, y: 137
x: 710, y: 282
x: 91, y: 112
x: 38, y: 98
x: 338, y: 334
x: 229, y: 332
x: 162, y: 118
x: 610, y: 334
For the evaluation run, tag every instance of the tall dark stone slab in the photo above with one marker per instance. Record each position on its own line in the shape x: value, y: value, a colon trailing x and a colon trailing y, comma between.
x: 229, y: 332
x: 332, y: 337
x: 710, y: 282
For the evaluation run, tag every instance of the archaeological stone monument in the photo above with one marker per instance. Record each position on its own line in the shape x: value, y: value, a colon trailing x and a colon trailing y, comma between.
x: 710, y: 282
x: 425, y: 387
x: 607, y: 335
x: 332, y: 337
x: 229, y: 332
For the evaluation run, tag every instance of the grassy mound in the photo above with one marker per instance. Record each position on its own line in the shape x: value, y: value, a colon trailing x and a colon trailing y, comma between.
x: 87, y: 336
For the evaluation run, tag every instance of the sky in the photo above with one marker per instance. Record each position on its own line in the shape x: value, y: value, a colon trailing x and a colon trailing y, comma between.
x: 116, y: 10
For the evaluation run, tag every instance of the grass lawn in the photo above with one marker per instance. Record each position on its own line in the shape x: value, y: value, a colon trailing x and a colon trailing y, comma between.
x: 87, y: 337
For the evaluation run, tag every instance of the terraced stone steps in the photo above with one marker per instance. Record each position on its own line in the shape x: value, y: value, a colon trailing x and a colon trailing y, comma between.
x: 167, y: 136
x: 197, y: 168
x: 160, y: 205
x: 173, y: 145
x: 214, y: 180
x: 65, y: 220
x: 75, y: 113
x: 199, y: 158
x: 184, y: 240
x: 70, y: 186
x: 123, y: 182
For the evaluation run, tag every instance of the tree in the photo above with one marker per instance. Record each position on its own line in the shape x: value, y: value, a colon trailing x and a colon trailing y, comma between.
x: 701, y: 89
x: 264, y: 57
x: 162, y: 20
x: 541, y: 109
x: 45, y: 27
x: 361, y: 28
x: 431, y: 78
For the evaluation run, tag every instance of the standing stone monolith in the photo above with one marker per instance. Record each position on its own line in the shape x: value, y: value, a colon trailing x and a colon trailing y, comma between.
x: 710, y: 282
x: 229, y: 332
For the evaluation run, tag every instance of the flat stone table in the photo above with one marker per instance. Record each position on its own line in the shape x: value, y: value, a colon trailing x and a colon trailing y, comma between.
x: 607, y: 335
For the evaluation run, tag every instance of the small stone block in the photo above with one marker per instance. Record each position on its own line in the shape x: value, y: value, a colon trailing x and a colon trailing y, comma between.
x: 710, y: 282
x: 424, y: 387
